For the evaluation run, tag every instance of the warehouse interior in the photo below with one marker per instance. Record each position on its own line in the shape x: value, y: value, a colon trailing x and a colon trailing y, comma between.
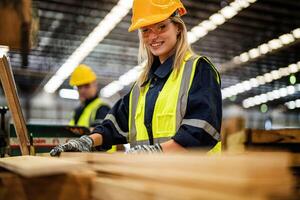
x: 255, y: 46
x: 254, y: 43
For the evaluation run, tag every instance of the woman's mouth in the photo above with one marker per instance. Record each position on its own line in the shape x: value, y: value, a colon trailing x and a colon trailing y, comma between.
x: 156, y: 44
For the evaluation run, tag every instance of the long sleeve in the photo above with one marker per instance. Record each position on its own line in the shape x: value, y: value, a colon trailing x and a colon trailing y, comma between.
x: 114, y: 128
x: 202, y: 121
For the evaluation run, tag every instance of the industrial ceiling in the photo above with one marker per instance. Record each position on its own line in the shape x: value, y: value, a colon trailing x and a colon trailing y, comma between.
x: 64, y: 24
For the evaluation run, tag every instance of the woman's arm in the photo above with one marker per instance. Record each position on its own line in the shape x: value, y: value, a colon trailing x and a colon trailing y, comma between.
x: 172, y: 146
x: 97, y: 139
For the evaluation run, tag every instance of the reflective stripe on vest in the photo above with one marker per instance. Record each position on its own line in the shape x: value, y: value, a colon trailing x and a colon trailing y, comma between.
x: 114, y: 122
x: 169, y: 110
x: 89, y: 113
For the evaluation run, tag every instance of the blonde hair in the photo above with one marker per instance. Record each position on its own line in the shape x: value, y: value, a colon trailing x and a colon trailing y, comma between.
x: 182, y: 47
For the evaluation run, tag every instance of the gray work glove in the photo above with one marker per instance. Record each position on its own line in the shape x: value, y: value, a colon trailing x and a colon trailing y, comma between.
x: 147, y: 149
x: 82, y: 144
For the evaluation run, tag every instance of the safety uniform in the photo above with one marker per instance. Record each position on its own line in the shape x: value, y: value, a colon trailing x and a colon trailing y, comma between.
x: 92, y: 112
x: 163, y: 110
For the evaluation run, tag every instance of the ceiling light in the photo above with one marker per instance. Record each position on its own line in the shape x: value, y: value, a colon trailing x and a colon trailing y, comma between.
x: 207, y: 24
x: 199, y: 31
x: 275, y: 44
x: 217, y: 19
x: 254, y: 82
x: 192, y: 37
x: 283, y: 92
x: 3, y: 50
x: 284, y: 71
x: 296, y: 33
x: 297, y: 103
x: 275, y: 74
x: 291, y: 90
x: 287, y: 38
x: 261, y: 80
x: 237, y: 60
x: 111, y: 89
x: 263, y: 48
x: 293, y: 68
x: 246, y: 85
x: 253, y: 53
x: 270, y: 96
x: 268, y: 77
x: 228, y: 12
x: 94, y: 38
x: 243, y: 3
x: 68, y: 94
x: 244, y: 57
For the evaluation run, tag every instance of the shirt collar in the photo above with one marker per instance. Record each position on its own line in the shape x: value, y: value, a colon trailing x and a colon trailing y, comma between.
x: 160, y: 70
x: 164, y: 69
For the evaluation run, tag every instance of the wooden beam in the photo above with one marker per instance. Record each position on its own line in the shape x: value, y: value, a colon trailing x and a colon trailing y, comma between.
x: 32, y: 166
x: 9, y: 87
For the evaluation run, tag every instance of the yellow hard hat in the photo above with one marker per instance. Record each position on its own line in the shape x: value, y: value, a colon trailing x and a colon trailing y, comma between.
x: 82, y: 74
x: 147, y: 12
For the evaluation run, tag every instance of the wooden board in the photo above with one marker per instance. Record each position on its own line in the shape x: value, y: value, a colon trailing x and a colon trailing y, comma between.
x: 9, y: 87
x: 14, y: 22
x: 258, y: 175
x: 59, y: 187
x: 273, y: 136
x: 32, y: 166
x: 136, y: 189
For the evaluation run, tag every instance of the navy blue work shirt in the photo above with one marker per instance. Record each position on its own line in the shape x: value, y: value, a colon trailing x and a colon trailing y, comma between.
x: 204, y: 103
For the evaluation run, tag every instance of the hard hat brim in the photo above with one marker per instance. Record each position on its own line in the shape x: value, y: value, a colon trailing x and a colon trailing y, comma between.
x: 153, y: 19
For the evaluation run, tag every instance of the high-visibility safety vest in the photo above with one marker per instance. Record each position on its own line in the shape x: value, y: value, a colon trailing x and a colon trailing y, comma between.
x: 88, y: 116
x: 170, y: 108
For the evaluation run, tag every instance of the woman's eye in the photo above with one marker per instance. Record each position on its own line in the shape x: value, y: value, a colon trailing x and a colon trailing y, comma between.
x: 145, y: 30
x: 162, y: 27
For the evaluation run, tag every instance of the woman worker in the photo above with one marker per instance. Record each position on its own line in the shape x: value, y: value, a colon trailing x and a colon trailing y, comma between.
x: 176, y: 103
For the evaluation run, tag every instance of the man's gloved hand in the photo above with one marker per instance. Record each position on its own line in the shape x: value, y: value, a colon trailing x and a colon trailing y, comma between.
x: 148, y: 149
x: 82, y: 144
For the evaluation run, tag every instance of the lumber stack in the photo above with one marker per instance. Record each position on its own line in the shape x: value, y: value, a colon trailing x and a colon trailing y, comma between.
x: 265, y: 140
x: 41, y: 178
x: 191, y: 176
x: 194, y: 175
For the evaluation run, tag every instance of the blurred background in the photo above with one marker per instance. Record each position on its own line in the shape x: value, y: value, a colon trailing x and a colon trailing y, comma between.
x: 254, y: 44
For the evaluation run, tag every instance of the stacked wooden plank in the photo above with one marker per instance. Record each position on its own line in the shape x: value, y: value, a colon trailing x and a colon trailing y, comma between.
x: 281, y: 139
x: 192, y: 176
x: 41, y: 178
x: 265, y: 140
x: 152, y: 177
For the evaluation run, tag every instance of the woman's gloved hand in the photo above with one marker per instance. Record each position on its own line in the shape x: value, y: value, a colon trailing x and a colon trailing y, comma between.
x: 147, y: 149
x: 82, y: 144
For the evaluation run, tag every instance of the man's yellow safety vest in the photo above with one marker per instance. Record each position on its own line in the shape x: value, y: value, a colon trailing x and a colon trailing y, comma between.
x: 88, y: 116
x: 170, y: 108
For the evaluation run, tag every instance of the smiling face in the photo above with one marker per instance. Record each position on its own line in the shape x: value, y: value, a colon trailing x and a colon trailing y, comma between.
x: 160, y: 38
